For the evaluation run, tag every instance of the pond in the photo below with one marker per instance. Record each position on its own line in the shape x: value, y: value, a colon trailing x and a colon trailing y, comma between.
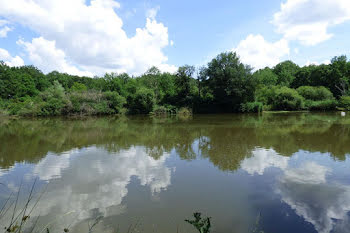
x: 275, y: 172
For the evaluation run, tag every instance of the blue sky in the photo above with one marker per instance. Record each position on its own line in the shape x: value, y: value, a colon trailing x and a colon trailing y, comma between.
x: 97, y: 36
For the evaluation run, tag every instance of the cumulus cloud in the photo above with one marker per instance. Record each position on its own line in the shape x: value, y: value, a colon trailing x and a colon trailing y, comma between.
x: 81, y: 183
x: 152, y: 13
x: 327, y: 62
x: 262, y: 159
x: 322, y: 203
x: 308, y: 20
x: 9, y: 60
x: 4, y: 29
x: 259, y: 53
x: 89, y: 37
x: 44, y: 54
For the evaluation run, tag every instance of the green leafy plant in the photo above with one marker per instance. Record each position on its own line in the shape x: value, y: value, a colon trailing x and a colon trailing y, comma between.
x: 203, y: 225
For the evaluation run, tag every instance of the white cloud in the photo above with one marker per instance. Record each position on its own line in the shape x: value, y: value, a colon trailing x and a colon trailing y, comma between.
x: 308, y: 20
x: 310, y: 173
x: 326, y: 62
x: 9, y: 60
x: 81, y: 183
x: 4, y: 29
x: 89, y: 36
x: 44, y: 54
x: 320, y: 202
x: 262, y: 159
x: 259, y: 53
x: 152, y: 13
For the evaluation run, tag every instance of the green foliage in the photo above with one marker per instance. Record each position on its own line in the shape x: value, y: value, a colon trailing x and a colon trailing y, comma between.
x: 315, y: 93
x: 2, y: 104
x: 143, y: 101
x: 321, y: 105
x: 185, y: 85
x: 230, y: 82
x: 345, y: 102
x: 266, y: 95
x: 184, y: 111
x: 203, y: 225
x: 78, y: 87
x: 285, y: 72
x: 266, y: 77
x: 95, y: 103
x: 287, y: 99
x: 54, y: 99
x: 164, y: 110
x: 115, y: 101
x: 225, y: 84
x: 252, y: 107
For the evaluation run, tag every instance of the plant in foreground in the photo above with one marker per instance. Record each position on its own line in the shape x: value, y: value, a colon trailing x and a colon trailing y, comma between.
x: 202, y: 225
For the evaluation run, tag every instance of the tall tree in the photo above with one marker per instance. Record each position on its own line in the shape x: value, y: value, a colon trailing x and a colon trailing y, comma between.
x: 285, y: 72
x: 230, y: 81
x: 184, y: 82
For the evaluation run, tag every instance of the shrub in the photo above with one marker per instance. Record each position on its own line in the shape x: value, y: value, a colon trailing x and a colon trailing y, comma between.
x: 143, y: 101
x: 266, y: 95
x: 3, y: 105
x: 54, y: 99
x: 160, y: 110
x: 287, y: 99
x: 345, y: 102
x: 115, y: 101
x: 164, y: 110
x: 78, y: 87
x: 184, y: 111
x: 315, y: 93
x: 252, y: 107
x: 14, y: 107
x: 321, y: 105
x: 95, y: 103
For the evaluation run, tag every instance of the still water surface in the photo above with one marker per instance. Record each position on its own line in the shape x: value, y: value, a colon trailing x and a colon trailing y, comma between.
x: 292, y: 170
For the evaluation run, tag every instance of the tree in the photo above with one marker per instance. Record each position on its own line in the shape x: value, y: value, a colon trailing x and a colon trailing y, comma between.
x: 266, y: 77
x: 285, y: 72
x: 303, y: 77
x: 340, y: 76
x: 230, y: 82
x: 184, y: 83
x: 143, y: 101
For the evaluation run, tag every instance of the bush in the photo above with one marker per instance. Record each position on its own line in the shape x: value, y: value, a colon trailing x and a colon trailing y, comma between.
x: 78, y: 87
x: 287, y: 99
x: 315, y: 93
x: 266, y: 95
x: 115, y: 101
x: 345, y: 102
x: 164, y: 110
x: 54, y: 99
x: 321, y: 105
x: 184, y: 111
x: 160, y: 110
x: 252, y: 107
x: 143, y: 101
x: 3, y: 105
x: 95, y: 103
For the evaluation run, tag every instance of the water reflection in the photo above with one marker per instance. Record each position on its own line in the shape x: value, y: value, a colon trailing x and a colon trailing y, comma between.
x: 91, y: 165
x: 91, y: 182
x: 324, y: 204
x: 225, y: 140
x: 262, y: 159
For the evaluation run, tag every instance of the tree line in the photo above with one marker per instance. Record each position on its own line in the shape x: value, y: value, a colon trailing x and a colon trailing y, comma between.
x: 225, y: 84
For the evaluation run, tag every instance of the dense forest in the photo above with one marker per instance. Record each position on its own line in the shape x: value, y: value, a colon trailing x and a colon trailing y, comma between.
x: 225, y: 84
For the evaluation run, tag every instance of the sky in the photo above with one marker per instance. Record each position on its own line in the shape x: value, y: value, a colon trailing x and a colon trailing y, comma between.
x: 92, y: 37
